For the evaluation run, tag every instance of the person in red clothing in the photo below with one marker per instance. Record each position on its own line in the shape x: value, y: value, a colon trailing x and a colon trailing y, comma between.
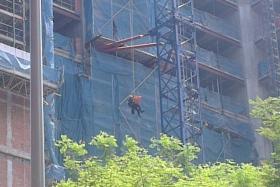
x: 134, y: 103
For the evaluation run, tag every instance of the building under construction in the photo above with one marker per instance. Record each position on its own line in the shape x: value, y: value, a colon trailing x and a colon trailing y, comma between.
x: 196, y: 63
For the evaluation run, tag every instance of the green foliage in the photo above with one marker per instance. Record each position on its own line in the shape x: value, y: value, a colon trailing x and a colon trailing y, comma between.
x: 226, y: 174
x: 268, y: 111
x: 172, y: 150
x: 134, y: 168
x: 170, y: 166
x: 106, y: 143
x: 71, y: 148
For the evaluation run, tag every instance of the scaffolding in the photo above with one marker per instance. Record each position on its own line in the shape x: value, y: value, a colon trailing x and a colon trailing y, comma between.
x: 178, y: 71
x: 13, y: 23
x: 66, y: 4
x: 220, y: 63
x: 274, y: 49
x: 269, y: 67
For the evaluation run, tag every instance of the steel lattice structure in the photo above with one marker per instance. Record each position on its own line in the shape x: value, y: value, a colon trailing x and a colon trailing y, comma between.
x: 272, y: 46
x: 178, y: 70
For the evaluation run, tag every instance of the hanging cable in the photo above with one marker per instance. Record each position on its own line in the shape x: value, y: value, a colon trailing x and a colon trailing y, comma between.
x: 140, y: 84
x: 219, y: 88
x: 131, y: 21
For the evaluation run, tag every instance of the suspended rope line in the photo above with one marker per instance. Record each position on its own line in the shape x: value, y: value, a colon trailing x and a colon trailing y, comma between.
x: 219, y: 87
x: 131, y: 43
x: 157, y: 110
x: 140, y: 84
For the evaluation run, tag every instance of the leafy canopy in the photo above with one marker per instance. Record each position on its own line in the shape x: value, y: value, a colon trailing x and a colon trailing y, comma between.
x: 170, y: 166
x: 268, y: 111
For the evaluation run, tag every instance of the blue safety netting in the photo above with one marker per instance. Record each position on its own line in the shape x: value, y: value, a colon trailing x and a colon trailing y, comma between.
x: 47, y: 27
x: 119, y: 19
x: 54, y: 172
x: 218, y: 101
x: 98, y: 103
x: 89, y: 19
x: 88, y: 106
x: 264, y: 67
x: 211, y: 22
x: 227, y: 138
x: 13, y: 64
x: 63, y: 43
x: 211, y: 59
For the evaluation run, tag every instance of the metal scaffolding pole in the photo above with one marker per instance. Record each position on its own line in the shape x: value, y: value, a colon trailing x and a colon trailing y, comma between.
x: 37, y: 125
x: 178, y: 71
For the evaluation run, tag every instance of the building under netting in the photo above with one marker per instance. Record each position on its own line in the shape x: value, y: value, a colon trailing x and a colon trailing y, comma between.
x: 196, y: 63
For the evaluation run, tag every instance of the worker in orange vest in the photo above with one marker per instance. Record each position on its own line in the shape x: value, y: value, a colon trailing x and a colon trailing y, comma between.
x: 134, y: 103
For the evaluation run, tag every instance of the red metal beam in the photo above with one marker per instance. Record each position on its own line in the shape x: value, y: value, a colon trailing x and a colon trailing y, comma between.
x: 121, y: 43
x: 113, y: 49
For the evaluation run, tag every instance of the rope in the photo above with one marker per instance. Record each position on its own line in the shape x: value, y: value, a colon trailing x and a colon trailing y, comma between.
x: 132, y: 51
x: 140, y: 84
x: 158, y: 130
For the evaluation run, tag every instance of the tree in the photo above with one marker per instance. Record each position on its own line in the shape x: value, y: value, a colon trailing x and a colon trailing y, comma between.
x: 227, y: 174
x: 169, y: 165
x: 268, y: 111
x: 134, y: 168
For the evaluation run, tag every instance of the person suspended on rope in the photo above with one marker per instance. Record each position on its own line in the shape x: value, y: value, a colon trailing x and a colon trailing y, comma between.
x: 134, y: 103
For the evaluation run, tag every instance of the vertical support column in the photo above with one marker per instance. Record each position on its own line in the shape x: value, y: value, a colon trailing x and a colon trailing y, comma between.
x: 169, y: 83
x: 87, y: 8
x: 77, y: 6
x: 37, y: 124
x: 116, y: 111
x: 273, y: 40
x: 250, y: 66
x: 9, y: 122
x: 24, y: 26
x: 9, y: 173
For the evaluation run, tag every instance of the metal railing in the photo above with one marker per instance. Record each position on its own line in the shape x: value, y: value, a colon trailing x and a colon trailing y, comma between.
x: 220, y: 62
x: 219, y: 102
x: 264, y: 67
x: 231, y: 1
x: 253, y: 2
x: 67, y: 4
x: 12, y: 28
x: 212, y: 22
x: 14, y: 7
